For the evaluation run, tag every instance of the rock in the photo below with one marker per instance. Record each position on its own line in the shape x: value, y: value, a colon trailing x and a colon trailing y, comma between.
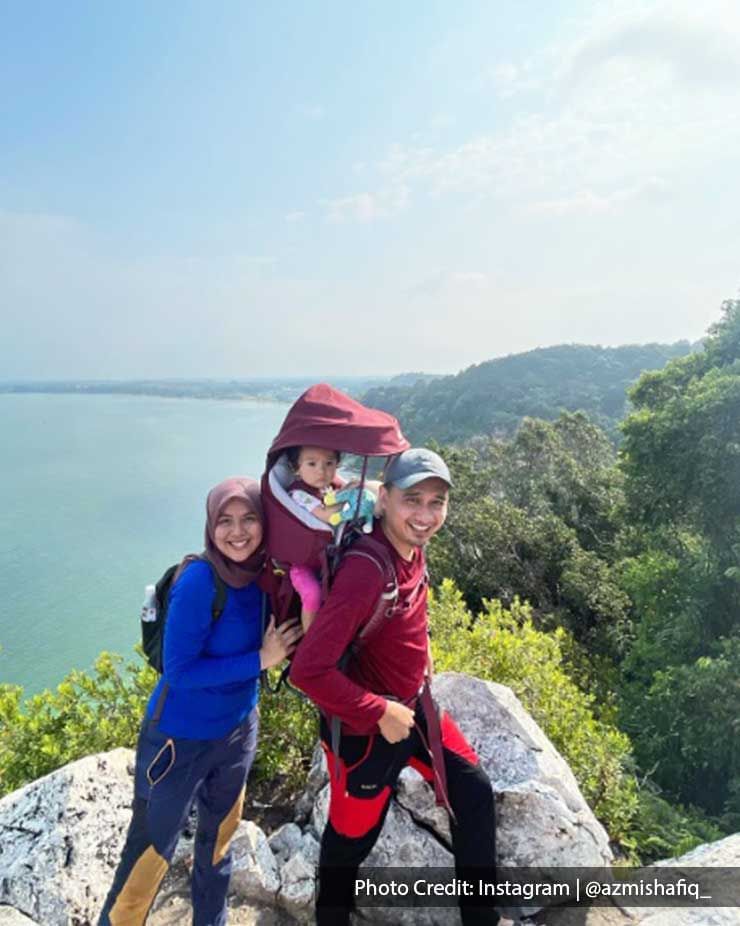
x: 61, y: 837
x: 587, y: 916
x: 298, y: 870
x: 298, y: 883
x: 543, y: 818
x: 177, y: 911
x: 12, y: 917
x: 285, y: 841
x: 542, y: 815
x: 318, y: 776
x: 255, y: 875
x: 725, y: 853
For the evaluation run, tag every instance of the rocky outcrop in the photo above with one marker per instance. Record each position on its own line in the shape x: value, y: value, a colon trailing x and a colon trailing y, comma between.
x: 722, y: 854
x: 61, y: 836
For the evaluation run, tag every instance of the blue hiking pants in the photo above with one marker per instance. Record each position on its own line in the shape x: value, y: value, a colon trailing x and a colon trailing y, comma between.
x: 171, y: 774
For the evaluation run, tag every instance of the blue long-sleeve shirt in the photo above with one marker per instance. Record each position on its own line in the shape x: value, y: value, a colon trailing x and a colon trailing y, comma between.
x: 212, y: 668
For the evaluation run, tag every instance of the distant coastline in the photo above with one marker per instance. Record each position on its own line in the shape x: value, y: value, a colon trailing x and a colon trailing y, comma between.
x: 267, y: 390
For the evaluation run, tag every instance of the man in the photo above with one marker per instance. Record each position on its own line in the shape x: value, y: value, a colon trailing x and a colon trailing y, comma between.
x: 384, y: 727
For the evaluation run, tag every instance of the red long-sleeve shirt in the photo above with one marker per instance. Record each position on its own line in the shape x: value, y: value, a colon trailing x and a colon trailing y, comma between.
x: 390, y: 662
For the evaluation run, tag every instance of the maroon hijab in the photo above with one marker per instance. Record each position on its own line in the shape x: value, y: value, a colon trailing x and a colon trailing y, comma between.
x: 237, y: 575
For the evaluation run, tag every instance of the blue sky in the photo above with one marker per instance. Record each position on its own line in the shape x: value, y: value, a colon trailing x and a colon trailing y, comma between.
x: 237, y: 189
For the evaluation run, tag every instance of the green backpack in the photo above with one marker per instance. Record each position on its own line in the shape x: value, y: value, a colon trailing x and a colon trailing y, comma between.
x: 154, y: 619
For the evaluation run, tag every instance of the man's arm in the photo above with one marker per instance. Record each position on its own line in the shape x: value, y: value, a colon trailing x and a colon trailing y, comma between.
x: 351, y: 602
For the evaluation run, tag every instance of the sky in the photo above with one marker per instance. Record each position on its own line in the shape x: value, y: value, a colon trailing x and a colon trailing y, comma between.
x: 236, y: 189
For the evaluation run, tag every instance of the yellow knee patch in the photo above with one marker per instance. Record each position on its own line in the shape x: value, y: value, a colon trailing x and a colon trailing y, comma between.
x: 138, y: 893
x: 227, y: 828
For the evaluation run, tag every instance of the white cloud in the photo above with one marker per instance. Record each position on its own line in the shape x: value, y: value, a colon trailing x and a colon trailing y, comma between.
x: 651, y: 90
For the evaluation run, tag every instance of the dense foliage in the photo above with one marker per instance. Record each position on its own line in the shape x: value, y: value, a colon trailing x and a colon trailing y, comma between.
x: 681, y: 461
x: 491, y: 398
x: 533, y: 518
x: 503, y: 645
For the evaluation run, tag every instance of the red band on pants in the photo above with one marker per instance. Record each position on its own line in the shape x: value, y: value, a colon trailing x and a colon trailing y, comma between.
x: 351, y: 816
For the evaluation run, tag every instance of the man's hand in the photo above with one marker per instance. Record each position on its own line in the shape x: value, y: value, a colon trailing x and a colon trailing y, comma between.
x: 395, y: 725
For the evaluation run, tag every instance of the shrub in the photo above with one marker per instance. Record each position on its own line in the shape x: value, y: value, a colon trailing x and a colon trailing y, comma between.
x: 503, y: 646
x: 288, y: 732
x: 97, y: 711
x: 86, y: 713
x: 661, y: 830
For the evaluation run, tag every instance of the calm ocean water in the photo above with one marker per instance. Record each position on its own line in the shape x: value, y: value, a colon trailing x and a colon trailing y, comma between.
x: 98, y: 495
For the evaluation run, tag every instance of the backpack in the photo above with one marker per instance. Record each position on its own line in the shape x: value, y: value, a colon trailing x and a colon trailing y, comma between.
x: 152, y: 631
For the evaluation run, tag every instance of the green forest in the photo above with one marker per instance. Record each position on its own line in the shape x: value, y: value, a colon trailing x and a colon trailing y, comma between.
x: 492, y: 397
x: 599, y: 579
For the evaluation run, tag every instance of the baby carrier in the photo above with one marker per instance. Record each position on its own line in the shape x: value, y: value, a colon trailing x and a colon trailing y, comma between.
x: 321, y: 417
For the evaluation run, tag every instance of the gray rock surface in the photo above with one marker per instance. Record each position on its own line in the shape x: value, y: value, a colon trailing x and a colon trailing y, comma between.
x: 255, y: 875
x: 298, y: 878
x: 61, y: 836
x: 542, y: 816
x: 725, y: 853
x: 11, y: 917
x: 285, y: 841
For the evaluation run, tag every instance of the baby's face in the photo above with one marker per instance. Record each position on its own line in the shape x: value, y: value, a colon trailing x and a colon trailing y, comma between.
x: 317, y: 466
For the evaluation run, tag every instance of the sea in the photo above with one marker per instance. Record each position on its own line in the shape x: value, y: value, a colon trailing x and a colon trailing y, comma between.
x: 98, y: 495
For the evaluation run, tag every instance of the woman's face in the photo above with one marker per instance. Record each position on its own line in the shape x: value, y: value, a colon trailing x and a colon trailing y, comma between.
x: 238, y: 531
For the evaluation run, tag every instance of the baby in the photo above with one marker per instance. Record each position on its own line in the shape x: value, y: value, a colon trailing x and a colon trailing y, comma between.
x: 316, y: 471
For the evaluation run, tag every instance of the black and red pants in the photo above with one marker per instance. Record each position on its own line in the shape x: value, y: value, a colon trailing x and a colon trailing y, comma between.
x: 362, y: 779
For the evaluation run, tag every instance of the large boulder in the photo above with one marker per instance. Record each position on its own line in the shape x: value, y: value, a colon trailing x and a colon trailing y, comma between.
x: 61, y: 837
x: 543, y: 818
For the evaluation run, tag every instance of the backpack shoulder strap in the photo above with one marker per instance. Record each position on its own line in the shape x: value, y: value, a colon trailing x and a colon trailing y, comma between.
x: 220, y: 591
x: 370, y: 549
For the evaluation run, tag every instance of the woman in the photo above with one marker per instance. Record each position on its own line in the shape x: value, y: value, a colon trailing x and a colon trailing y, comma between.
x: 199, y: 733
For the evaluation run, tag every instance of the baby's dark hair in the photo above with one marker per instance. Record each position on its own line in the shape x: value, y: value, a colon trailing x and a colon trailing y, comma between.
x: 293, y: 454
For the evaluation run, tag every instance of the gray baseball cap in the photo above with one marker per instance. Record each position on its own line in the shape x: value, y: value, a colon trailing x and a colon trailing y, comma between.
x: 414, y: 466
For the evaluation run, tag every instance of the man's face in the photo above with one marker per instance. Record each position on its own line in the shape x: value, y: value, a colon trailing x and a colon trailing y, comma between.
x: 411, y: 517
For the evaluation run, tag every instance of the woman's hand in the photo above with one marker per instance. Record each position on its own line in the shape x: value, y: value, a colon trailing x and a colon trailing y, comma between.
x: 279, y: 642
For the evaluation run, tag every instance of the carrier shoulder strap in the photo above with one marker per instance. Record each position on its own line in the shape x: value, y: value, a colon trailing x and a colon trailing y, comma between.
x: 377, y: 553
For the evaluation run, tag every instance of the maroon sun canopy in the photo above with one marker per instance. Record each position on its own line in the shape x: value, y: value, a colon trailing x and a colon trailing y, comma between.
x: 325, y: 417
x: 321, y: 417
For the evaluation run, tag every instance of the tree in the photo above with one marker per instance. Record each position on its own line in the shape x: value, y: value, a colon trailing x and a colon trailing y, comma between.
x: 533, y: 518
x: 681, y: 461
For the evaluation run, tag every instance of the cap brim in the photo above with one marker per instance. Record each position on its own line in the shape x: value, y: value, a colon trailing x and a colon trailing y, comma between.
x: 414, y: 478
